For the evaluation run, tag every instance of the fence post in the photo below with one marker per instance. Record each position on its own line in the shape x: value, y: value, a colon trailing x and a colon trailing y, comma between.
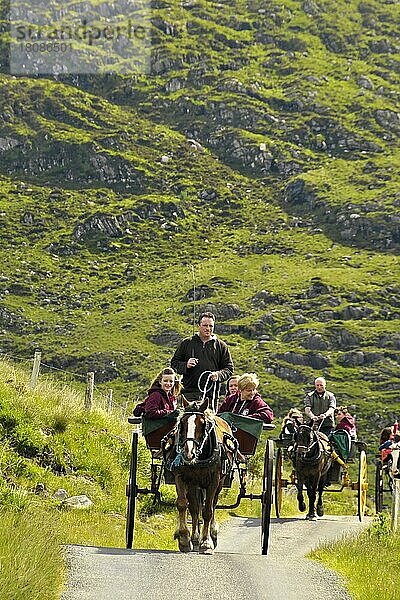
x: 35, y: 369
x: 396, y: 503
x: 89, y: 391
x: 110, y: 401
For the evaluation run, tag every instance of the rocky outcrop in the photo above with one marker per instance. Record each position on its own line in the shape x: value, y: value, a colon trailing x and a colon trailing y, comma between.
x: 114, y: 226
x: 314, y: 360
x: 222, y: 312
x: 166, y: 337
x: 360, y: 225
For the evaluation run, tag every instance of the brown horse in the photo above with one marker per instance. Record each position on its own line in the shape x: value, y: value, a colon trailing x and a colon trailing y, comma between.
x: 200, y: 452
x: 311, y: 460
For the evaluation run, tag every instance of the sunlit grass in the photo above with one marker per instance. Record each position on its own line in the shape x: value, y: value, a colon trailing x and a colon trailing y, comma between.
x: 369, y: 562
x: 31, y: 557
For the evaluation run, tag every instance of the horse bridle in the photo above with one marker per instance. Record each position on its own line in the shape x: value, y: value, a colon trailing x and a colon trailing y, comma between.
x: 306, y: 449
x: 199, y: 444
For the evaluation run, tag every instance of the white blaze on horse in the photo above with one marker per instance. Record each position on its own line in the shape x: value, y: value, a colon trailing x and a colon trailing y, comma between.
x: 200, y: 452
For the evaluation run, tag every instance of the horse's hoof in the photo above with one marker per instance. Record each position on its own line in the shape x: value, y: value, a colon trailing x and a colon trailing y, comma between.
x: 320, y: 511
x: 185, y: 547
x: 203, y: 550
x: 311, y: 517
x: 302, y: 507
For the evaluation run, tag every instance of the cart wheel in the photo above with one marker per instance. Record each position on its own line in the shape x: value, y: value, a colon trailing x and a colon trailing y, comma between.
x: 379, y: 486
x: 267, y: 495
x: 362, y: 484
x: 131, y: 492
x: 278, y: 492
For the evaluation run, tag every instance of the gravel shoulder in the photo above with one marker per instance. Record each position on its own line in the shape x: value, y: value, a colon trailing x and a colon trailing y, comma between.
x: 236, y: 570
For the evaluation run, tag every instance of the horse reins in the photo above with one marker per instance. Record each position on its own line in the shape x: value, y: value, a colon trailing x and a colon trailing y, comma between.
x: 207, y: 388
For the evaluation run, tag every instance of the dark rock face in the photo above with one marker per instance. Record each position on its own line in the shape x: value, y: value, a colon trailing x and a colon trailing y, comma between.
x: 298, y: 192
x: 11, y: 321
x: 314, y: 360
x: 166, y: 338
x: 316, y: 342
x: 115, y: 226
x: 345, y: 223
x: 100, y: 224
x: 355, y: 312
x: 342, y: 339
x: 263, y: 299
x: 389, y: 340
x: 389, y: 120
x: 316, y: 289
x: 287, y: 373
x: 357, y: 358
x: 199, y: 293
x: 222, y: 312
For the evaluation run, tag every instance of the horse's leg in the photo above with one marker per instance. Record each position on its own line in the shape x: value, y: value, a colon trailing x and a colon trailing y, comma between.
x: 300, y: 497
x: 311, y: 485
x: 206, y: 543
x: 320, y: 504
x: 214, y: 527
x: 182, y: 533
x: 195, y: 495
x: 321, y: 487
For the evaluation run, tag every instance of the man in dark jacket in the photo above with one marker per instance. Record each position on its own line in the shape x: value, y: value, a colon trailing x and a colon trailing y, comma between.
x: 199, y: 353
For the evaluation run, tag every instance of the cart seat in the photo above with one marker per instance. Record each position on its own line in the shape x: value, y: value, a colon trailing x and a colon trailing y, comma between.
x: 246, y: 430
x: 154, y: 429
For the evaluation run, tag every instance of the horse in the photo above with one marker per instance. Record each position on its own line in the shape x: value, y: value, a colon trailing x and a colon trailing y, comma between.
x: 200, y: 452
x: 311, y: 459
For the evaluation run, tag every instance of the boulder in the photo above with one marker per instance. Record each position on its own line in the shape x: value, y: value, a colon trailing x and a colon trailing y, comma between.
x: 166, y: 337
x: 221, y: 311
x: 198, y: 293
x: 78, y: 502
x: 60, y: 494
x: 316, y: 342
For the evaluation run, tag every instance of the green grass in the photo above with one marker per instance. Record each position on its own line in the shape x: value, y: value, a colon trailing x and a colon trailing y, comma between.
x: 31, y: 556
x: 233, y: 79
x: 48, y: 439
x: 368, y: 562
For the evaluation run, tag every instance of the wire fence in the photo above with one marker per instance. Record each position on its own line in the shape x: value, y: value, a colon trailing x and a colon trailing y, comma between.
x: 93, y: 396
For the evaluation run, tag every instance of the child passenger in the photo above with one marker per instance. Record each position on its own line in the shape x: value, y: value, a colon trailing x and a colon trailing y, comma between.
x: 345, y: 421
x: 161, y: 399
x: 232, y: 385
x: 247, y: 401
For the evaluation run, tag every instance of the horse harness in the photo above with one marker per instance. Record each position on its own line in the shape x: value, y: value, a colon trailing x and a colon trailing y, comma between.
x: 307, y: 454
x: 177, y: 459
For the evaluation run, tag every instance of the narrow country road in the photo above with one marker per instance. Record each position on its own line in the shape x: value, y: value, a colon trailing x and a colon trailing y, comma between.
x: 235, y: 571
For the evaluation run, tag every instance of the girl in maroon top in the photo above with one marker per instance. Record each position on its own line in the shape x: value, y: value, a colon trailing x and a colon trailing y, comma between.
x: 162, y: 396
x: 232, y: 385
x: 345, y: 421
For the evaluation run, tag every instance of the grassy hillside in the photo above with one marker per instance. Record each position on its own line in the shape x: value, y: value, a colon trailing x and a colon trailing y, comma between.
x: 261, y: 154
x: 48, y: 443
x: 51, y: 449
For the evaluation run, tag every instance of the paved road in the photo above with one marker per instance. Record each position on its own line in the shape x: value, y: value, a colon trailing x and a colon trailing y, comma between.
x: 235, y: 571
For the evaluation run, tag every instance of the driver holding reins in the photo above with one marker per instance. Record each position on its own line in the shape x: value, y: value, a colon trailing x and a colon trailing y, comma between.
x: 200, y: 353
x: 319, y: 407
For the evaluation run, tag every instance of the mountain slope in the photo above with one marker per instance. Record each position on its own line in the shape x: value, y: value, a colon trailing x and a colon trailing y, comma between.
x: 260, y: 156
